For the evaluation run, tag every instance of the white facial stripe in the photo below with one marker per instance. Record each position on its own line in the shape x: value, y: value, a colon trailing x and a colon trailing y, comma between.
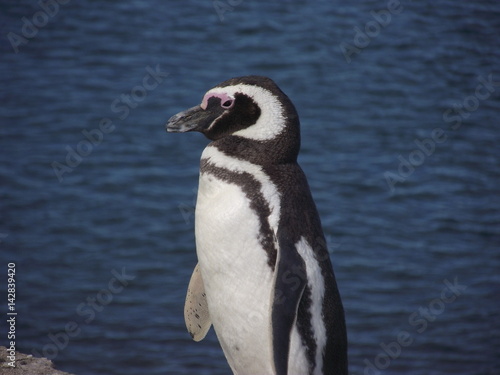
x: 271, y: 121
x: 316, y: 283
x: 268, y: 189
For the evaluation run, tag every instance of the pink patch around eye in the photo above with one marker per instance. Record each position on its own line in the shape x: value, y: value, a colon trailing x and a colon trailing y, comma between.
x: 222, y: 96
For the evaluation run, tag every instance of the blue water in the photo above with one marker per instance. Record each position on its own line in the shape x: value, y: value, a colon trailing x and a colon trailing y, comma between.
x: 403, y: 221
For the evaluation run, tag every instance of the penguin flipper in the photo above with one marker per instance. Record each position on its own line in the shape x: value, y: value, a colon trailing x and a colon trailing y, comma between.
x: 290, y: 282
x: 196, y: 313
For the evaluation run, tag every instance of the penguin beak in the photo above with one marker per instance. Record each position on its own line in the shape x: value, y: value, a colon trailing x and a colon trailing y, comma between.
x: 192, y: 119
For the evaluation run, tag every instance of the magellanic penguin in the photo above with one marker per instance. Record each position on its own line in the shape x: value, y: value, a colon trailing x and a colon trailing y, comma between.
x: 264, y: 278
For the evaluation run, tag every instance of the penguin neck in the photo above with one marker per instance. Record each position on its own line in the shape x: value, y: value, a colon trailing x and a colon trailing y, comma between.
x: 281, y: 150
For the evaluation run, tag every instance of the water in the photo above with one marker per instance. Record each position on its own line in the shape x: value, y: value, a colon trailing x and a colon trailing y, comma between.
x: 400, y: 232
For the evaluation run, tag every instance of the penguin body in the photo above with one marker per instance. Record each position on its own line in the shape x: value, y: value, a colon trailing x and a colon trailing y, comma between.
x: 265, y: 280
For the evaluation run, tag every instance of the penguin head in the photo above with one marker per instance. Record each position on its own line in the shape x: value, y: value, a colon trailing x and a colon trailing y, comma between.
x: 250, y: 108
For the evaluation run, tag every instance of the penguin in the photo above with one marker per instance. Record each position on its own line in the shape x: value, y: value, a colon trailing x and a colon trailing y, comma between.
x: 264, y: 277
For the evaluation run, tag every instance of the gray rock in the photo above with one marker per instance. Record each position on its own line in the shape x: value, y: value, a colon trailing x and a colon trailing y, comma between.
x: 26, y: 364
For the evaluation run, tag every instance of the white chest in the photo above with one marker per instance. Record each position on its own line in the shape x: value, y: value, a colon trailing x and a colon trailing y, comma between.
x: 238, y: 281
x: 227, y: 229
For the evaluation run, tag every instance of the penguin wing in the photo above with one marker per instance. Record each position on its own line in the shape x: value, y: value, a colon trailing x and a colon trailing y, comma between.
x: 289, y: 284
x: 196, y: 313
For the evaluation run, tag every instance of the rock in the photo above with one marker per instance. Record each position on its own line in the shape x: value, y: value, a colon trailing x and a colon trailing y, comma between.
x: 26, y: 364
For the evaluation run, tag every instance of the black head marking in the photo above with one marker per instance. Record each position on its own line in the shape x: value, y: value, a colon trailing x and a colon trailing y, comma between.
x: 235, y: 114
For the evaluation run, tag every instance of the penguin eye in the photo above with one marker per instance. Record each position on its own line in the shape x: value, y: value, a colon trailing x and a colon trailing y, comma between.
x: 227, y: 104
